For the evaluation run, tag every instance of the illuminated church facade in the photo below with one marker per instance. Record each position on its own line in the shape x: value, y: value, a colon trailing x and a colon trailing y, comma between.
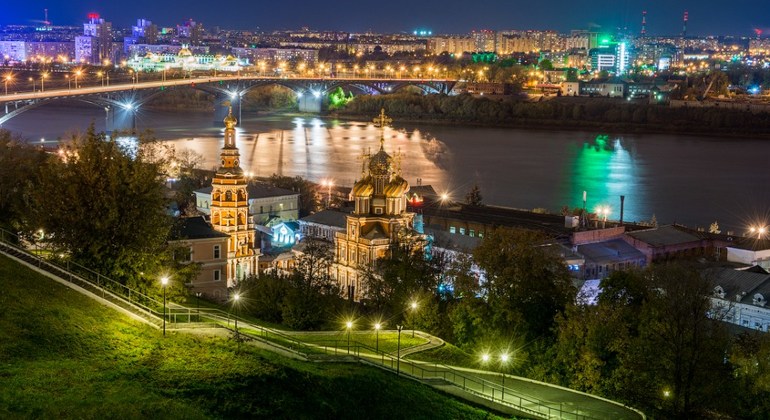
x: 379, y: 221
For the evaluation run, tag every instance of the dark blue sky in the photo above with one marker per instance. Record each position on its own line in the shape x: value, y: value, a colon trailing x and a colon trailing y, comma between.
x: 736, y: 17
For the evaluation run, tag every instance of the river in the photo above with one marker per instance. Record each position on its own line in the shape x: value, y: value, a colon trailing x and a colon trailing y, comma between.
x: 684, y: 179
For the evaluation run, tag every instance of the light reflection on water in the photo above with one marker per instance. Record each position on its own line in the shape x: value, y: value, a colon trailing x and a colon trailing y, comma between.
x: 678, y: 178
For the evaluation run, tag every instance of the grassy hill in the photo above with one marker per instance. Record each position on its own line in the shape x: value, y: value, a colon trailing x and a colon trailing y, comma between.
x: 63, y: 355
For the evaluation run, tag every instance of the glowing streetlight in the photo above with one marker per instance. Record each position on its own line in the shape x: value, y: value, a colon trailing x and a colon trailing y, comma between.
x: 485, y: 358
x: 236, y: 297
x: 398, y: 351
x: 377, y: 327
x: 32, y: 79
x: 503, y: 362
x: 77, y: 76
x: 349, y: 326
x: 43, y: 76
x: 164, y: 283
x: 603, y: 211
x: 758, y: 230
x: 413, y: 306
x: 7, y: 79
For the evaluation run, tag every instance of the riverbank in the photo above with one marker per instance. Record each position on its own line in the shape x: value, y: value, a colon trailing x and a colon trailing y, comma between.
x: 584, y: 114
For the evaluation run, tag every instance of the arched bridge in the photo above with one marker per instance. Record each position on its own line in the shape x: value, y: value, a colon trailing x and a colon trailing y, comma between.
x: 127, y: 98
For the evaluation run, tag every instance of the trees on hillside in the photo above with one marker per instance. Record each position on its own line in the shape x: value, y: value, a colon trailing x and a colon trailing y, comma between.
x: 103, y: 205
x: 18, y: 178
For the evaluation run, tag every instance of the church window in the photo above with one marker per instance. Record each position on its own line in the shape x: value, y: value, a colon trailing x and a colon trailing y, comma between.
x: 217, y: 275
x: 378, y: 210
x: 462, y: 231
x: 261, y: 209
x: 452, y: 229
x: 217, y: 252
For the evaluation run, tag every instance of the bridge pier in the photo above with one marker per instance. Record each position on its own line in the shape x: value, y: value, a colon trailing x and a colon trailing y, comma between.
x: 311, y: 103
x: 120, y: 119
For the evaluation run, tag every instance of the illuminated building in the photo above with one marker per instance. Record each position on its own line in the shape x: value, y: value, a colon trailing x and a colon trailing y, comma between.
x: 95, y: 45
x: 230, y: 210
x: 186, y: 61
x: 277, y: 55
x: 37, y: 50
x: 379, y: 221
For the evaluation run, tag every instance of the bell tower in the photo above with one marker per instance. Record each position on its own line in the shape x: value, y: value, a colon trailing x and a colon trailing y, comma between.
x: 230, y: 209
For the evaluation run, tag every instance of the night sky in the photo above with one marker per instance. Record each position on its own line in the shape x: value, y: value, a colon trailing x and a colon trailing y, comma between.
x: 717, y: 17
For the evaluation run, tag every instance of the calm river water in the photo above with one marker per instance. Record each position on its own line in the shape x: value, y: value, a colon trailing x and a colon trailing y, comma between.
x: 683, y: 179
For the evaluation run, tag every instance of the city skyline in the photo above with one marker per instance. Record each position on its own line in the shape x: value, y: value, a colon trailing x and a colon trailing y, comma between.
x: 436, y: 16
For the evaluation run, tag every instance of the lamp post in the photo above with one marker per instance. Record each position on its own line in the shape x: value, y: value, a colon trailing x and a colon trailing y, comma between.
x: 32, y: 79
x: 198, y: 304
x: 42, y: 81
x: 414, y: 310
x: 398, y: 351
x: 164, y: 282
x: 101, y: 76
x: 77, y: 77
x: 758, y: 230
x: 377, y: 327
x: 69, y: 81
x: 503, y: 362
x: 7, y: 79
x: 236, y: 297
x: 349, y: 326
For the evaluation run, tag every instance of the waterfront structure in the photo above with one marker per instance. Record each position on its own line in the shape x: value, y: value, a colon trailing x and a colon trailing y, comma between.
x: 230, y: 210
x: 379, y: 221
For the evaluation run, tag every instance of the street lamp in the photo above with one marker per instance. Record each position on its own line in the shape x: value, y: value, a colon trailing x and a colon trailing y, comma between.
x: 164, y: 283
x: 758, y: 230
x: 31, y: 79
x: 42, y: 81
x: 377, y: 327
x: 349, y: 326
x: 398, y: 354
x: 69, y: 81
x: 503, y: 362
x: 101, y: 76
x: 77, y: 76
x: 236, y: 297
x: 414, y: 309
x: 7, y: 79
x: 603, y: 211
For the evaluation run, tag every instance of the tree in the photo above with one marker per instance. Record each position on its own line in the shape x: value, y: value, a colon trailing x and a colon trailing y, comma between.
x: 312, y: 296
x: 20, y: 165
x: 266, y: 294
x: 104, y: 207
x: 527, y: 283
x: 473, y: 198
x: 545, y: 64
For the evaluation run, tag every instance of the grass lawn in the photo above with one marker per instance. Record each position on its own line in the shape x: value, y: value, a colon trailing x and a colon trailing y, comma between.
x: 447, y: 355
x: 63, y: 355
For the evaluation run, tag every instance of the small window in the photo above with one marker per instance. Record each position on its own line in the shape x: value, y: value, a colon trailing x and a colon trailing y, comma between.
x: 481, y: 234
x: 462, y: 231
x: 217, y: 275
x: 452, y: 229
x: 217, y: 252
x: 472, y: 233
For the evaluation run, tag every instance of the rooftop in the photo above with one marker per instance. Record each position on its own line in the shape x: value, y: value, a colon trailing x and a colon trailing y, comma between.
x: 335, y: 218
x: 609, y: 252
x: 194, y: 228
x: 663, y: 236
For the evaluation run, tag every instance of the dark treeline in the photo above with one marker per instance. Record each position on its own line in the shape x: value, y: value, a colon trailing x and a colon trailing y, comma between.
x: 564, y: 112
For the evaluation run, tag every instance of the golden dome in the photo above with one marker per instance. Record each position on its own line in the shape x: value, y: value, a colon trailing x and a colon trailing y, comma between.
x: 397, y: 187
x: 230, y: 120
x: 363, y: 188
x: 380, y: 164
x: 185, y: 52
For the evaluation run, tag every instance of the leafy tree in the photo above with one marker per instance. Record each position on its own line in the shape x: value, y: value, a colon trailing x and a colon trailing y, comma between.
x: 265, y: 296
x: 104, y: 206
x: 20, y: 165
x: 527, y: 283
x: 545, y: 64
x: 312, y: 297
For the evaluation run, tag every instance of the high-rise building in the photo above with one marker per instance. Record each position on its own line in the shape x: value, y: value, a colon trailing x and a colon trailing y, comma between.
x: 484, y: 40
x: 95, y: 45
x: 192, y: 31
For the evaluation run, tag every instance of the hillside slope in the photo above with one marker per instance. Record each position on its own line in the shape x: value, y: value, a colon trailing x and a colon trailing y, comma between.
x: 63, y: 355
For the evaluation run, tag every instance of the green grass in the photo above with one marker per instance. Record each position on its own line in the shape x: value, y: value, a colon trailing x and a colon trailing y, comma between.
x: 388, y: 340
x: 63, y: 355
x: 447, y: 355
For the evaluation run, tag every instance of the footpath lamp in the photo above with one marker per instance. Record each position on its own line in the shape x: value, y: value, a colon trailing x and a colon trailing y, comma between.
x: 164, y: 283
x: 398, y: 351
x: 42, y: 81
x: 758, y: 230
x: 7, y: 79
x: 377, y: 327
x: 413, y: 306
x: 236, y: 297
x: 503, y: 362
x: 32, y: 79
x: 349, y: 326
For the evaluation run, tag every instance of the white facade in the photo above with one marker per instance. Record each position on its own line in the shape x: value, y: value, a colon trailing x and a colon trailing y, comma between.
x: 749, y: 257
